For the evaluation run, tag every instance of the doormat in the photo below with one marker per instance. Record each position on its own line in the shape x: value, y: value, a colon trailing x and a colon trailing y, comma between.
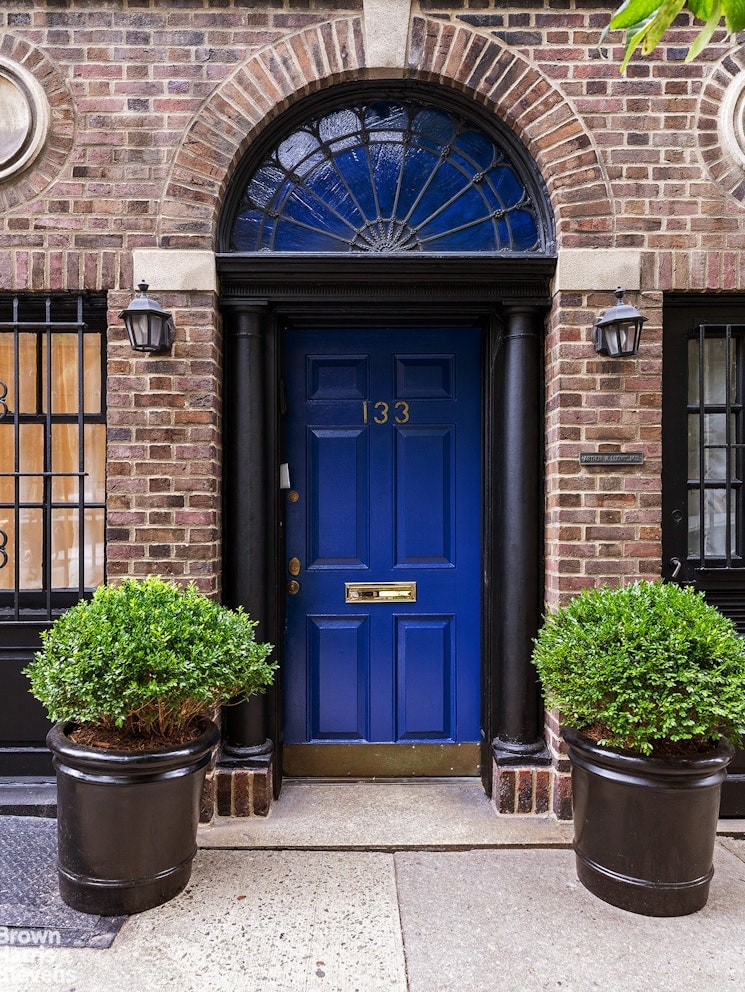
x: 32, y: 913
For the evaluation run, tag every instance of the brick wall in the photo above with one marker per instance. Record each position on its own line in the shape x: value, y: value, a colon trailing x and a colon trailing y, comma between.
x: 152, y: 106
x: 164, y: 448
x: 602, y: 523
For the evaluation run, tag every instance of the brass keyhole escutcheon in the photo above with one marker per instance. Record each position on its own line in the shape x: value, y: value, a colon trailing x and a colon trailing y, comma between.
x: 293, y: 587
x: 293, y: 566
x: 293, y: 496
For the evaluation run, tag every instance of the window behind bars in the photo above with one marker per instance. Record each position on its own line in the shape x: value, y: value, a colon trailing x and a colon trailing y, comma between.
x: 52, y: 451
x: 715, y: 444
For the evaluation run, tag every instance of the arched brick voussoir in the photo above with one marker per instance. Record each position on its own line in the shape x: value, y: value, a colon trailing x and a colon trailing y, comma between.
x: 332, y: 52
x: 535, y: 110
x: 238, y: 111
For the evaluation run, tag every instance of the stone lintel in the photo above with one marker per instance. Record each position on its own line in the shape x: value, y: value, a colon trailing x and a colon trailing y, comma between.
x: 175, y: 269
x: 592, y: 269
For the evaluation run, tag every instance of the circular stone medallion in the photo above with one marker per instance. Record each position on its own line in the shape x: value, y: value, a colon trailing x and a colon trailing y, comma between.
x: 732, y: 120
x: 24, y: 118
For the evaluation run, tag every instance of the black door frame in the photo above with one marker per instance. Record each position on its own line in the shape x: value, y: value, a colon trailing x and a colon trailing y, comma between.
x: 721, y: 586
x: 259, y: 294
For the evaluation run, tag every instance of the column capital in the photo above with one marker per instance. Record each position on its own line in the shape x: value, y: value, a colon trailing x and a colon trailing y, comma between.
x: 523, y: 320
x: 249, y: 317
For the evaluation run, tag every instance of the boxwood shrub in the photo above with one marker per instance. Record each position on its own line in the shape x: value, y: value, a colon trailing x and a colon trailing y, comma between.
x: 147, y: 656
x: 646, y: 666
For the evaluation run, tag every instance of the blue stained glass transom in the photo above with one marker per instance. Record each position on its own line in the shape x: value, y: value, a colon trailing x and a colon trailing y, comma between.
x: 387, y: 176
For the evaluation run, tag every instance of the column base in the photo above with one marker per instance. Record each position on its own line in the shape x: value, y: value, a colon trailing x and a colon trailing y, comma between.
x: 237, y: 792
x: 530, y: 785
x: 245, y: 756
x: 241, y: 783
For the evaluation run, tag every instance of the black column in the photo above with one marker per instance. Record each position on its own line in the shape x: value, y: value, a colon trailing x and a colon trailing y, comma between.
x: 246, y: 525
x: 519, y: 557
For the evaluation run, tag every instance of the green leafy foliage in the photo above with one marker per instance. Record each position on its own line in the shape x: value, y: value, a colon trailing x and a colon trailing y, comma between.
x: 147, y: 656
x: 646, y: 665
x: 645, y: 22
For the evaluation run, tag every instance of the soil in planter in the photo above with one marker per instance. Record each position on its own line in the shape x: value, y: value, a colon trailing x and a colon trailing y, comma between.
x: 122, y: 739
x: 663, y: 749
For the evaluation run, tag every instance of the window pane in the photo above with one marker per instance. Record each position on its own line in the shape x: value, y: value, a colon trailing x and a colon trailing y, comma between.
x: 715, y: 446
x: 715, y: 523
x: 65, y: 488
x: 7, y: 537
x: 31, y: 446
x: 31, y: 541
x: 94, y: 547
x: 6, y: 366
x: 31, y: 548
x: 26, y: 376
x: 715, y: 371
x: 95, y: 463
x: 7, y: 461
x: 92, y: 373
x: 65, y: 551
x: 31, y: 460
x: 64, y: 373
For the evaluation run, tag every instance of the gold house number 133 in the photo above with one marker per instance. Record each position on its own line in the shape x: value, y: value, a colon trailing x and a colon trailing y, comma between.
x: 382, y: 411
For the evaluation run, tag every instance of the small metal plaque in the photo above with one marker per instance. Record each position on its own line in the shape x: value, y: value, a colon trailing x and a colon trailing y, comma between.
x: 611, y: 458
x: 380, y: 592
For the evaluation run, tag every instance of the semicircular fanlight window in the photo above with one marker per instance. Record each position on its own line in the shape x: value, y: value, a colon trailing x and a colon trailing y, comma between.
x: 387, y: 176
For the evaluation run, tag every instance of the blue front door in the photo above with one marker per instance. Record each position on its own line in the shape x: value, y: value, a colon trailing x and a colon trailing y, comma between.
x: 382, y: 436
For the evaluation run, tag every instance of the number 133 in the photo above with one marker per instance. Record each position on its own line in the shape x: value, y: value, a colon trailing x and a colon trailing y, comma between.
x: 383, y: 410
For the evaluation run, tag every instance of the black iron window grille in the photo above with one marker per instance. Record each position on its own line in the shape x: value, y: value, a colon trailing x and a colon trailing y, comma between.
x: 716, y: 445
x: 52, y: 452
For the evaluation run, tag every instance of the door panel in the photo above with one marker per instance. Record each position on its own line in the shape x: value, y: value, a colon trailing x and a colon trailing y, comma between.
x: 424, y: 653
x: 339, y: 665
x: 424, y: 496
x: 338, y: 497
x: 383, y: 439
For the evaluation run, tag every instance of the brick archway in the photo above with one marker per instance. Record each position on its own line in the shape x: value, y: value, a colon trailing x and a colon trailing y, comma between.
x: 333, y: 52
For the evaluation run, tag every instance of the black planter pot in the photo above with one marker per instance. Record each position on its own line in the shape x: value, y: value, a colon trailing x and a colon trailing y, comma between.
x: 127, y: 821
x: 644, y: 828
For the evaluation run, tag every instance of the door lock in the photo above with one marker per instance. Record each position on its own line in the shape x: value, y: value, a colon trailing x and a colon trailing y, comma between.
x: 293, y: 587
x: 293, y: 566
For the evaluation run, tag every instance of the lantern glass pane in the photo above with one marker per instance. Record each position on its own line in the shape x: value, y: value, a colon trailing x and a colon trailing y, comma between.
x: 612, y: 340
x: 138, y: 325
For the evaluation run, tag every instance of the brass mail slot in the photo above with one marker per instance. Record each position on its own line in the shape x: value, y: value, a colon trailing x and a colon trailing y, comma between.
x: 380, y: 592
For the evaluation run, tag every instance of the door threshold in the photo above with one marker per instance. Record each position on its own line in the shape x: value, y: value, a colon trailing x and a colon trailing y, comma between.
x: 424, y: 780
x: 387, y: 761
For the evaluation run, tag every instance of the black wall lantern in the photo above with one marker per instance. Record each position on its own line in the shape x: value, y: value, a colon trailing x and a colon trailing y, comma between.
x: 618, y: 331
x: 149, y: 327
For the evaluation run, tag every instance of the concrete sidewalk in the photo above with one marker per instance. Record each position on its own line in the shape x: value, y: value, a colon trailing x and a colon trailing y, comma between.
x: 355, y: 888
